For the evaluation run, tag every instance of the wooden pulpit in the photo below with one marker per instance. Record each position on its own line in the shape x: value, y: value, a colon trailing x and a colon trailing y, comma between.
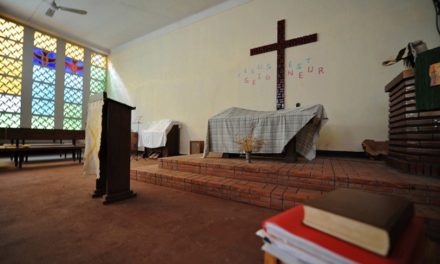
x: 114, y: 152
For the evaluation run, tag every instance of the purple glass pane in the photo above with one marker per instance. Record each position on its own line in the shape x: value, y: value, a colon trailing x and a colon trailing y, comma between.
x: 74, y: 66
x: 44, y: 58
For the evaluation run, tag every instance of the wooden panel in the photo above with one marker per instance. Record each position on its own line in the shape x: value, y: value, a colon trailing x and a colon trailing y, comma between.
x: 415, y: 150
x: 403, y: 156
x: 404, y: 110
x: 414, y: 137
x: 409, y: 129
x: 134, y: 137
x: 410, y: 102
x: 404, y: 116
x: 196, y: 147
x: 397, y: 163
x: 403, y: 97
x: 402, y: 89
x: 414, y: 122
x: 406, y: 74
x: 411, y: 136
x: 118, y: 148
x: 172, y: 146
x: 431, y: 159
x: 415, y: 143
x: 41, y: 134
x: 435, y: 114
x: 409, y: 143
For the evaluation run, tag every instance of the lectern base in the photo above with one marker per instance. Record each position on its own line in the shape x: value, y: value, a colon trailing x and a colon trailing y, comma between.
x: 98, y: 194
x: 111, y: 198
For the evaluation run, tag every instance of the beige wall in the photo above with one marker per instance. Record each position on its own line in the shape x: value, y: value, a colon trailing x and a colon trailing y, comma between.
x: 199, y: 70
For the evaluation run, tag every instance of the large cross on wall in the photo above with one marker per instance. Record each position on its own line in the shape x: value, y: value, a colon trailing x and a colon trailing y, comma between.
x: 280, y: 46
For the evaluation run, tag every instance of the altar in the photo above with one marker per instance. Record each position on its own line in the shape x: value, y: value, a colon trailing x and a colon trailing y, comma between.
x: 275, y: 128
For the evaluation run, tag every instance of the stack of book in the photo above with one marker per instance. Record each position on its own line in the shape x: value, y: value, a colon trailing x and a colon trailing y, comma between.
x: 346, y: 226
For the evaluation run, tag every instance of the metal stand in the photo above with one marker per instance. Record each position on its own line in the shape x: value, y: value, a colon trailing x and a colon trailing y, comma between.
x: 138, y: 122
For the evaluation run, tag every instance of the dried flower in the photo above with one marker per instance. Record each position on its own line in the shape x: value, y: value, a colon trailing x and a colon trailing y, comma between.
x: 249, y: 143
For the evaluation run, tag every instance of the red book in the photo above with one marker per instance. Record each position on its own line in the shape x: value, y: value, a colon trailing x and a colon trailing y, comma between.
x: 309, y: 240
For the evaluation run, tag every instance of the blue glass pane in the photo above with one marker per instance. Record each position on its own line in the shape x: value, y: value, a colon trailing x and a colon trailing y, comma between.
x: 72, y: 96
x: 43, y: 74
x: 43, y: 90
x: 73, y: 81
x: 44, y: 58
x: 74, y: 66
x: 43, y: 107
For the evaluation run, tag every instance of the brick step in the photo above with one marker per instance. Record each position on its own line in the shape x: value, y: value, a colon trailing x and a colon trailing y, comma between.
x: 279, y: 197
x: 291, y: 175
x: 256, y: 193
x: 320, y: 174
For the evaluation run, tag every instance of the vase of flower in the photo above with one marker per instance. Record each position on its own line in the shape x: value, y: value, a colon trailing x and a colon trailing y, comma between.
x: 249, y: 144
x: 248, y: 156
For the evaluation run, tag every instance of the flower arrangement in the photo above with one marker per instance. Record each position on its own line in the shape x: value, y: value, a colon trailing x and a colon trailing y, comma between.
x: 249, y: 143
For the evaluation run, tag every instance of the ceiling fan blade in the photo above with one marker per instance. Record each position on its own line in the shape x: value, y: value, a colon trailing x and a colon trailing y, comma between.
x: 78, y: 11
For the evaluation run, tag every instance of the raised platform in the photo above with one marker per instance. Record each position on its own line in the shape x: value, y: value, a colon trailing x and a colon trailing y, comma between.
x: 279, y: 185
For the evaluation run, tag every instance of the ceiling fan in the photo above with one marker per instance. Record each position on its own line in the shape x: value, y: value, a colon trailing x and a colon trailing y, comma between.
x: 54, y: 7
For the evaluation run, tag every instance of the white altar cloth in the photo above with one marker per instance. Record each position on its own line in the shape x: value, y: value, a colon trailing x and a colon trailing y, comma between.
x: 155, y: 135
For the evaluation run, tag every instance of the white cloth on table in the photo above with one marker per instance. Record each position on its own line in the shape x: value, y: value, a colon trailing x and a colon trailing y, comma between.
x: 155, y: 135
x: 93, y: 138
x: 275, y: 128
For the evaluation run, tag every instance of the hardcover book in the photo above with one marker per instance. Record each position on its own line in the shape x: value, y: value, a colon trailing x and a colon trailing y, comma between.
x: 369, y: 220
x: 290, y: 240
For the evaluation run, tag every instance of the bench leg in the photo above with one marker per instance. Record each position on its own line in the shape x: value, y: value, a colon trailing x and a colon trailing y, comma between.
x: 16, y: 159
x: 21, y: 158
x: 79, y: 155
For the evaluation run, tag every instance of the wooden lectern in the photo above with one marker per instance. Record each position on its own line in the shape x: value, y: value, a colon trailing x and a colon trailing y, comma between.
x: 414, y: 136
x: 114, y: 153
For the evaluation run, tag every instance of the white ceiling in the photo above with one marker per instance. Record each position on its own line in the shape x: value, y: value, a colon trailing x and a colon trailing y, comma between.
x: 108, y: 23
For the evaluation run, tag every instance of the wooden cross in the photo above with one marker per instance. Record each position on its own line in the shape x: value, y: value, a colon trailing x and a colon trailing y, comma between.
x: 280, y: 47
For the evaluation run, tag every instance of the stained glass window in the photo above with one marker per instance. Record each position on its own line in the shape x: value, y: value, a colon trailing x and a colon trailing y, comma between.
x: 44, y: 58
x: 45, y: 108
x: 45, y: 42
x: 98, y: 73
x: 74, y: 66
x: 73, y: 87
x: 11, y: 56
x: 43, y: 81
x: 74, y: 52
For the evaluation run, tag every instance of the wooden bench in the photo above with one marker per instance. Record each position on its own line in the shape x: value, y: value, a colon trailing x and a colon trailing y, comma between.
x: 20, y: 152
